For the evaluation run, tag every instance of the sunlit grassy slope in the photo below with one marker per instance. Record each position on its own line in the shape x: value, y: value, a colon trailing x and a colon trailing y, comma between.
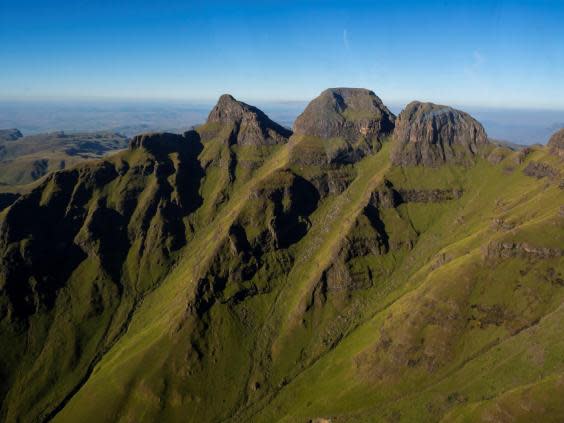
x: 261, y: 283
x: 441, y: 327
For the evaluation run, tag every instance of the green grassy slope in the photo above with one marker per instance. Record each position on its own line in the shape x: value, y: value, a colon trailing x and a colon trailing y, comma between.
x: 443, y: 330
x: 220, y: 282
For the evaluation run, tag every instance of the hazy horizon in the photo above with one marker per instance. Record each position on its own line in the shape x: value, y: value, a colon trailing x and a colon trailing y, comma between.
x: 522, y: 126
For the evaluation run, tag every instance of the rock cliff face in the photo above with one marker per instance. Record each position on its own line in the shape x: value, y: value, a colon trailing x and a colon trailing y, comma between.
x: 509, y: 249
x: 252, y: 126
x: 430, y: 135
x: 354, y: 115
x: 345, y: 112
x: 556, y: 143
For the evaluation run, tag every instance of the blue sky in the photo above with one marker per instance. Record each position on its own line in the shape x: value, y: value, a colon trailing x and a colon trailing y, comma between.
x: 479, y: 53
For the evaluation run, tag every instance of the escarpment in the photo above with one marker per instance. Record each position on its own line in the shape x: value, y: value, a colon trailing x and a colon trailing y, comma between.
x: 430, y: 135
x: 241, y: 272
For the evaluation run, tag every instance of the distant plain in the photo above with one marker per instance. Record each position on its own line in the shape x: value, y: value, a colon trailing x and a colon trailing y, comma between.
x: 521, y: 126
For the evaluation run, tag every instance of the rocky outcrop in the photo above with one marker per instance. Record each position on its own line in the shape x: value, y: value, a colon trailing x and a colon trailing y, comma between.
x: 10, y: 134
x: 500, y: 224
x: 540, y: 170
x: 508, y: 249
x: 429, y: 195
x: 281, y: 207
x: 251, y: 125
x: 387, y: 196
x: 332, y: 181
x: 522, y: 155
x: 431, y: 135
x: 556, y: 143
x: 345, y: 112
x: 355, y: 115
x: 498, y: 155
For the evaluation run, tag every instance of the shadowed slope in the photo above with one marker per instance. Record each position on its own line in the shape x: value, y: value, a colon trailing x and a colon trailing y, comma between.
x: 78, y: 253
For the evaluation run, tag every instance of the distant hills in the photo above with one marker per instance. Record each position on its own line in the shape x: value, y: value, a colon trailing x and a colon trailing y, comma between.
x: 520, y: 126
x: 359, y: 267
x: 10, y: 135
x: 26, y: 159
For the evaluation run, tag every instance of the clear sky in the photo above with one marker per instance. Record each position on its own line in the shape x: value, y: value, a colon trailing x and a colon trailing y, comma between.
x: 482, y: 53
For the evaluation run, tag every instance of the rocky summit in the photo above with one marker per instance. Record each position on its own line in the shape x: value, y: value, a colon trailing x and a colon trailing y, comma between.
x: 355, y: 115
x: 252, y: 126
x: 431, y: 135
x: 345, y: 112
x: 363, y: 268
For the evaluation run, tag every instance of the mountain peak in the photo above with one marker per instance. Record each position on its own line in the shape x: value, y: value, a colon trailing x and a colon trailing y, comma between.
x: 229, y: 110
x: 252, y: 125
x: 431, y: 134
x: 349, y: 113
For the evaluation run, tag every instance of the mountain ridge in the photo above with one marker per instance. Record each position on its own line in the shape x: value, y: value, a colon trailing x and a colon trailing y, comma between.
x: 292, y: 276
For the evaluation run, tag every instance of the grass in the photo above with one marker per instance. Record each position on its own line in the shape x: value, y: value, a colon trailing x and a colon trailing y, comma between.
x: 440, y: 331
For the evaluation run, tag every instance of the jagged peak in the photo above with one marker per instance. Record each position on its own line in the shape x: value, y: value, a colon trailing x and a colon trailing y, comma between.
x: 432, y: 134
x: 345, y: 112
x: 252, y: 125
x: 230, y: 110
